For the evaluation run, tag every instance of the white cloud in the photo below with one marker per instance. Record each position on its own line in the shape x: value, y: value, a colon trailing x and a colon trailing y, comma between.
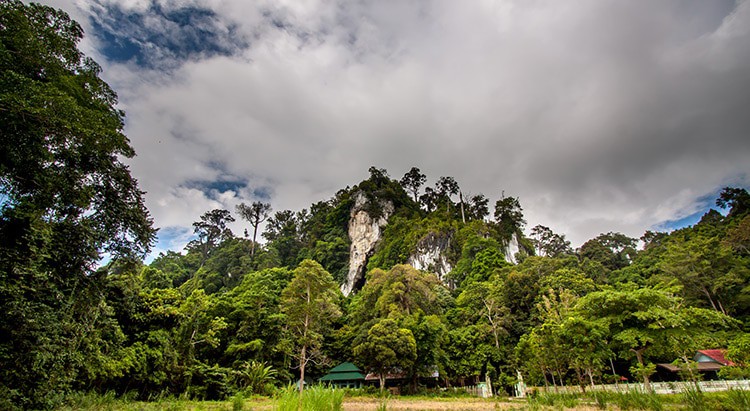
x: 601, y: 116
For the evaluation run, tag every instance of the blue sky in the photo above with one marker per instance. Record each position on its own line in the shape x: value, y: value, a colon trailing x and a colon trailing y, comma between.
x: 703, y: 204
x: 600, y: 115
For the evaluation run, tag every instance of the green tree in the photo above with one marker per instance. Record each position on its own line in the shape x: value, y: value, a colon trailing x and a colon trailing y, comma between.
x: 211, y: 231
x: 309, y: 306
x: 645, y: 322
x: 412, y: 181
x: 509, y: 215
x: 481, y: 322
x: 386, y: 349
x: 415, y: 301
x: 549, y: 244
x: 255, y: 214
x: 736, y: 199
x: 477, y: 207
x: 613, y: 250
x: 483, y: 302
x: 707, y: 269
x: 429, y: 199
x: 254, y: 320
x: 67, y: 198
x: 284, y: 238
x: 738, y: 237
x: 399, y: 292
x: 445, y: 188
x: 196, y: 327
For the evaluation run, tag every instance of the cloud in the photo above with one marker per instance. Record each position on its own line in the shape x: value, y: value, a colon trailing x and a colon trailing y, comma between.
x: 601, y: 116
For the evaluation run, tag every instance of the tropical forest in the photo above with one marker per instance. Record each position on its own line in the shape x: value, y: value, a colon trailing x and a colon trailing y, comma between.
x: 424, y: 288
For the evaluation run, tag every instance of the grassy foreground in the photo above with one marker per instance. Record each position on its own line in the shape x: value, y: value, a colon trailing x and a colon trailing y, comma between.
x: 320, y: 399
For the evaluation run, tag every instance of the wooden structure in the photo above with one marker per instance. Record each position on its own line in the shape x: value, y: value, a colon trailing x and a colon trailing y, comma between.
x: 707, y: 362
x: 344, y: 375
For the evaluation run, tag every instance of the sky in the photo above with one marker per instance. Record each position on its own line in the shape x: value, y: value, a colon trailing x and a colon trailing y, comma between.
x: 598, y: 115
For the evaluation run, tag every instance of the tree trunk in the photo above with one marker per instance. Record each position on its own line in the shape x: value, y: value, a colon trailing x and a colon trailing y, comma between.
x: 708, y: 295
x: 554, y: 382
x: 461, y: 199
x: 489, y: 382
x: 303, y: 352
x: 579, y: 375
x: 614, y: 374
x: 252, y: 245
x: 639, y: 356
x: 302, y: 361
x: 381, y: 380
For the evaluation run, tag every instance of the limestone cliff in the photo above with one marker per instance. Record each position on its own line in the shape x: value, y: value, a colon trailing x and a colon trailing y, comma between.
x: 511, y: 249
x: 430, y: 255
x: 364, y: 233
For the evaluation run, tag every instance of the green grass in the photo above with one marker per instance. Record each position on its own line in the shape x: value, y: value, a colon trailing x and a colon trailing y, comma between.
x: 325, y: 399
x: 312, y: 399
x: 555, y: 400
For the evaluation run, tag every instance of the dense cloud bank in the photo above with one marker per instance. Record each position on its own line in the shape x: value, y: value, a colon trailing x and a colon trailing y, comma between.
x: 600, y: 115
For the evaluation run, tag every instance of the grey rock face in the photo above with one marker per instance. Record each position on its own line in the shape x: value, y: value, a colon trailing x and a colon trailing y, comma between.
x: 511, y: 249
x: 430, y: 255
x: 364, y: 233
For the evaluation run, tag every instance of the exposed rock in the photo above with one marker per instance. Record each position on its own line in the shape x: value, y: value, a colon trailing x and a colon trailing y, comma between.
x: 430, y: 255
x: 364, y: 233
x: 511, y: 249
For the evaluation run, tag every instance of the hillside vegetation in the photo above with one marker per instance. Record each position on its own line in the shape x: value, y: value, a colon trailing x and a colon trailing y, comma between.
x: 448, y: 289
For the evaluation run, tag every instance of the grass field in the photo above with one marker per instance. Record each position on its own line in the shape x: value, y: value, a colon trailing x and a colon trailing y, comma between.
x: 329, y: 400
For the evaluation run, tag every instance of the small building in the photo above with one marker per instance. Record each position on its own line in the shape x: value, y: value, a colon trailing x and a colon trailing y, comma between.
x: 344, y: 375
x: 708, y: 363
x: 712, y: 357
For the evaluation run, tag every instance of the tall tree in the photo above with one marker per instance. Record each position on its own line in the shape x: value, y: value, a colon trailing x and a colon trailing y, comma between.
x: 309, y: 304
x: 649, y: 322
x: 412, y: 181
x: 67, y: 198
x: 478, y: 207
x: 211, y: 231
x: 613, y: 250
x: 429, y: 199
x: 284, y: 237
x: 386, y: 348
x: 255, y: 214
x: 737, y: 199
x: 399, y: 292
x: 738, y: 237
x: 707, y: 269
x: 445, y: 188
x: 509, y: 215
x: 548, y: 243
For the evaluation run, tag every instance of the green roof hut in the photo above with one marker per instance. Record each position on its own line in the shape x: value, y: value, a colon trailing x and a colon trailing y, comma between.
x: 344, y: 375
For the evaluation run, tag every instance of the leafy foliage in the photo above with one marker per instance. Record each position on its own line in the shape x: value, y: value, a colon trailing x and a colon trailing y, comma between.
x: 231, y: 315
x: 67, y: 198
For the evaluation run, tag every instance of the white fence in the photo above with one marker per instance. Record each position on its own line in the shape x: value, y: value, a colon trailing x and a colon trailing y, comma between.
x: 657, y: 387
x: 479, y: 390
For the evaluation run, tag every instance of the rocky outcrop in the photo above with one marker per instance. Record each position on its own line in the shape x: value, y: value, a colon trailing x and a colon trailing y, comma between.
x: 511, y: 249
x: 364, y: 233
x: 430, y: 255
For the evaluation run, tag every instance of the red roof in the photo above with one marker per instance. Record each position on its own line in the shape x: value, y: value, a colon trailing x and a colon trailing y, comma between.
x: 717, y: 355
